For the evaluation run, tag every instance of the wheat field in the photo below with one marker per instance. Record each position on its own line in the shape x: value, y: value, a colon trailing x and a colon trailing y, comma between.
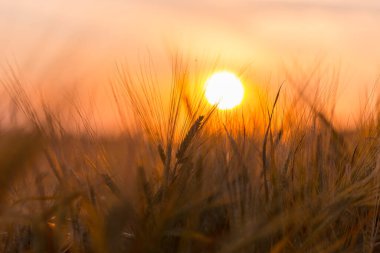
x: 189, y: 178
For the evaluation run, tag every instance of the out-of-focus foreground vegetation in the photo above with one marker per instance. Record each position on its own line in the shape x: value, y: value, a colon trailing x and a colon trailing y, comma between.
x: 189, y: 178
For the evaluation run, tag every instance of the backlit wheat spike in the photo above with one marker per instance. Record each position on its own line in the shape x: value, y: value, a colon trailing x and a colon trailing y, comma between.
x: 188, y: 138
x: 161, y: 152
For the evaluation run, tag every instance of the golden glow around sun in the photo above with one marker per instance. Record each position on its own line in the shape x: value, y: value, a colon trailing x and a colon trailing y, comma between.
x: 224, y: 89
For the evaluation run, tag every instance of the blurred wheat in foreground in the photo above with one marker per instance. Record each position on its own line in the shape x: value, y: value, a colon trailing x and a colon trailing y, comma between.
x: 281, y: 179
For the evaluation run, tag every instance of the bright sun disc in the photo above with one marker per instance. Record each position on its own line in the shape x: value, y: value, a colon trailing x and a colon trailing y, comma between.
x: 224, y: 89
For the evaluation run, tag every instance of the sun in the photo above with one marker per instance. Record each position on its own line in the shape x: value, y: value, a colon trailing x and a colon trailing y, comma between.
x: 224, y: 89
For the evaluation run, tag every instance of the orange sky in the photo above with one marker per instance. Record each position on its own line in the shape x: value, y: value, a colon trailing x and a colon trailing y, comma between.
x: 78, y: 41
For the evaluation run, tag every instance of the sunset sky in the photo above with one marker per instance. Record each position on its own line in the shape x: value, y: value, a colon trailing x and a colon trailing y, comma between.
x: 80, y: 41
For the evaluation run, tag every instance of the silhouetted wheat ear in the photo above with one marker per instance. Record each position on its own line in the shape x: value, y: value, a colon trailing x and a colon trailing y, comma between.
x: 188, y: 138
x: 111, y: 185
x: 161, y: 152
